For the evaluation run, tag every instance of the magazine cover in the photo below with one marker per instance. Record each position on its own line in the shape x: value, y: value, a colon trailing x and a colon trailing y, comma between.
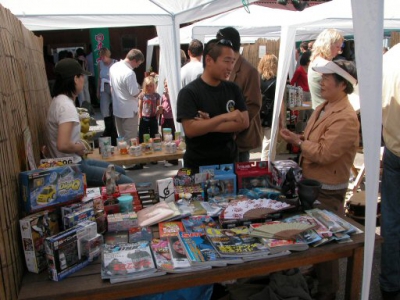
x: 309, y: 236
x: 198, y: 223
x: 170, y: 228
x: 325, y: 219
x: 235, y: 242
x: 200, y: 251
x: 126, y: 259
x: 178, y: 255
x: 162, y: 254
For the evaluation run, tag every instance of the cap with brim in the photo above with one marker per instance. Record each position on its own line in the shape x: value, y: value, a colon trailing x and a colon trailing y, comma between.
x: 69, y: 67
x: 329, y: 67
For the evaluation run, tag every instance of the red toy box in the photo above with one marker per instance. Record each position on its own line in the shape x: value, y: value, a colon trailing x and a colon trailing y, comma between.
x: 252, y: 174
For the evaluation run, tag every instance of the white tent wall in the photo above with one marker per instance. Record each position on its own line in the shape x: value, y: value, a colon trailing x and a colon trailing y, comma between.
x: 368, y: 35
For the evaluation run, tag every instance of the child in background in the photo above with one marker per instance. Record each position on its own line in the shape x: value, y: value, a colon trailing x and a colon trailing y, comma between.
x: 167, y: 119
x: 149, y: 108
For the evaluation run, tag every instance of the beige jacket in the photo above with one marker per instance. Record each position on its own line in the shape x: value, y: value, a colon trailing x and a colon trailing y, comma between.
x: 330, y: 143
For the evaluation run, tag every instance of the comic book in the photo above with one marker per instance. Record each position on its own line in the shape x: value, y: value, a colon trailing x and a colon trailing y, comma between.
x: 127, y: 260
x: 198, y: 223
x: 170, y: 228
x: 178, y: 256
x: 162, y: 255
x: 199, y: 250
x: 235, y: 242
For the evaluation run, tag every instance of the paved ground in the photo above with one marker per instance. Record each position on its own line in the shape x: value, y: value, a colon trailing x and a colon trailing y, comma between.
x: 151, y: 173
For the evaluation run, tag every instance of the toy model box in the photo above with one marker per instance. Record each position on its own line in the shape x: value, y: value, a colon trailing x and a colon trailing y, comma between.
x: 280, y: 169
x: 64, y: 252
x: 121, y: 221
x: 34, y: 230
x: 221, y: 180
x: 184, y: 177
x: 252, y: 175
x: 44, y: 188
x: 194, y: 192
x: 74, y: 218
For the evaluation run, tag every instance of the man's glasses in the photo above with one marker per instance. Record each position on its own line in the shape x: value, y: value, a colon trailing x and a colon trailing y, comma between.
x: 223, y: 42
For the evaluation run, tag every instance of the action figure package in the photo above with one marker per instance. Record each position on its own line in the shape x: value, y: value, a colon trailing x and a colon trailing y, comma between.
x: 34, y: 230
x: 44, y: 188
x: 185, y: 177
x: 221, y: 180
x: 279, y: 170
x: 252, y: 174
x: 64, y: 250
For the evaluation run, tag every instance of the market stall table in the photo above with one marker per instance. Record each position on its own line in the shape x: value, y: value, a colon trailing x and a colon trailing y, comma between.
x: 87, y: 283
x: 126, y: 159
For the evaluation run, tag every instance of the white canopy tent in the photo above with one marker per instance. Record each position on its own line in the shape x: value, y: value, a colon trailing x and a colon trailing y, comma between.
x: 365, y: 17
x: 166, y: 15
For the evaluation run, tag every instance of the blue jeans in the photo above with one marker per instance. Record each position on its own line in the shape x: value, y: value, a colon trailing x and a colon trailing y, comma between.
x: 390, y: 223
x: 94, y: 170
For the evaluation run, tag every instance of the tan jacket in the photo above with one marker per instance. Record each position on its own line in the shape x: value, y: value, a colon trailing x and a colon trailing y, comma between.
x: 248, y: 79
x: 330, y: 143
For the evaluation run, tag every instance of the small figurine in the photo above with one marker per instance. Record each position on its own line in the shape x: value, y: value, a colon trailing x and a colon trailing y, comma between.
x: 111, y: 177
x: 289, y: 185
x: 213, y: 188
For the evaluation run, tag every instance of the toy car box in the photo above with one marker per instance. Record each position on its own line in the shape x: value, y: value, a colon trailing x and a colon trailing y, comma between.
x: 252, y: 174
x: 280, y: 169
x: 34, y: 230
x: 63, y: 250
x: 44, y: 188
x: 220, y: 182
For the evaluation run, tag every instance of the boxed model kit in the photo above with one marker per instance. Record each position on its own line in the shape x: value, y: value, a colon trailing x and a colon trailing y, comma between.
x: 43, y: 188
x: 64, y: 250
x: 34, y: 230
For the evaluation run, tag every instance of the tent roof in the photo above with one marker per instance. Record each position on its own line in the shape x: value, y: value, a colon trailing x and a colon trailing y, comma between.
x: 77, y: 14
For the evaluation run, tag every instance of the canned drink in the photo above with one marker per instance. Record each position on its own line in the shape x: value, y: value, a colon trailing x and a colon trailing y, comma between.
x: 146, y: 137
x: 104, y: 141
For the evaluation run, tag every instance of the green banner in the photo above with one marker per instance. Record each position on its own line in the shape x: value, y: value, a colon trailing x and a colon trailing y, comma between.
x: 99, y: 38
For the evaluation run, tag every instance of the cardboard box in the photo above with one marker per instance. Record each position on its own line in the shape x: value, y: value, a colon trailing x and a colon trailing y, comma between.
x: 34, y: 230
x: 196, y: 192
x: 74, y: 218
x: 253, y: 174
x: 220, y: 182
x: 280, y: 169
x: 165, y: 190
x: 44, y: 188
x: 121, y: 222
x: 64, y: 252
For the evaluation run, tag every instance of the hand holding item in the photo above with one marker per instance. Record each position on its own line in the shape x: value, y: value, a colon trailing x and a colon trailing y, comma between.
x: 290, y: 137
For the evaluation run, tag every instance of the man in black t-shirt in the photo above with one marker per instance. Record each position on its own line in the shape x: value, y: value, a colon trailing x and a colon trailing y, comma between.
x: 212, y: 110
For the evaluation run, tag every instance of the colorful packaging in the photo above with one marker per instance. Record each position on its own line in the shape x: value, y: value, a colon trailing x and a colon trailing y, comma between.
x: 252, y: 175
x: 221, y: 180
x: 44, y: 188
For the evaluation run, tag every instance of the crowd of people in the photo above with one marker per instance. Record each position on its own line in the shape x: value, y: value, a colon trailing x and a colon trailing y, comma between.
x: 226, y: 107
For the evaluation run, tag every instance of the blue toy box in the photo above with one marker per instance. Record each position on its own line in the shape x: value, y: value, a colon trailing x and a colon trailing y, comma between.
x: 44, y: 188
x: 221, y: 180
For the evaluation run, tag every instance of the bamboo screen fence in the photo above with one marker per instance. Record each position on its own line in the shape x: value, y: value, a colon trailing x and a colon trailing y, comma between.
x: 24, y: 98
x: 251, y: 51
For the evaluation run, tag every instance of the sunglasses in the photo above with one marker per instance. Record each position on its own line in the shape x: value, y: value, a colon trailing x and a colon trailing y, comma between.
x: 223, y: 42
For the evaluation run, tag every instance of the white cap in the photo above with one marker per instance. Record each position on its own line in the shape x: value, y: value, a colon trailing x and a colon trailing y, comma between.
x: 329, y: 67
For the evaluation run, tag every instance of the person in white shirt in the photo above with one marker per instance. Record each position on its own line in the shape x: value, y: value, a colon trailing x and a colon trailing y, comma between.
x: 63, y: 126
x: 125, y: 92
x: 194, y: 68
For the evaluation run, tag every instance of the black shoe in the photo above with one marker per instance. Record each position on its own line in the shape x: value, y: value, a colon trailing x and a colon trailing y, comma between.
x: 154, y: 162
x: 133, y: 167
